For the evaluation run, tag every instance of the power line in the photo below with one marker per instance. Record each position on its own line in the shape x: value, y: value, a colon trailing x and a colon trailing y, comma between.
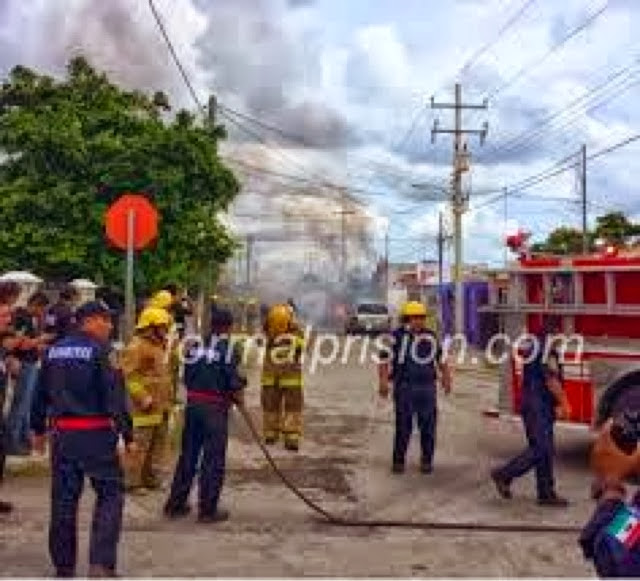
x: 616, y: 82
x: 484, y: 48
x: 564, y: 40
x: 224, y: 110
x: 553, y: 172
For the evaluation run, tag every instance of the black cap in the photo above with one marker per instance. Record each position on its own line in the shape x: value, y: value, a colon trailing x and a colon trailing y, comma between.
x: 221, y: 317
x: 92, y: 309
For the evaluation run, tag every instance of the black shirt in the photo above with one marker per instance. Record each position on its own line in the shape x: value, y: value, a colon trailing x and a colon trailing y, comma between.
x: 25, y: 325
x: 59, y: 320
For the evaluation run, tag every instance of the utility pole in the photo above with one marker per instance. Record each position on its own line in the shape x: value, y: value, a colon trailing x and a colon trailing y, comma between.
x: 506, y: 218
x: 386, y: 266
x: 343, y: 233
x: 583, y: 191
x: 249, y: 260
x: 343, y: 242
x: 206, y: 277
x: 458, y: 201
x: 440, y: 250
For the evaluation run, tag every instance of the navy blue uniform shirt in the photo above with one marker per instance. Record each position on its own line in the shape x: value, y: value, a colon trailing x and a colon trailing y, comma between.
x: 535, y: 393
x: 611, y: 556
x: 414, y: 358
x: 212, y: 366
x: 78, y: 380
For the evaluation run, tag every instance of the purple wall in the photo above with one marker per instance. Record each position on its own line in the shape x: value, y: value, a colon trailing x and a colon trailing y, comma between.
x: 476, y: 293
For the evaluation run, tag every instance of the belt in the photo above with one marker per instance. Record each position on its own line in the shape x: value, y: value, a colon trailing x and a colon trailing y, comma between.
x: 80, y: 423
x: 210, y: 396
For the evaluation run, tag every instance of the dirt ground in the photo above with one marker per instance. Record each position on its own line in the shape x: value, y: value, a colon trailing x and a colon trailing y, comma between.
x: 344, y: 464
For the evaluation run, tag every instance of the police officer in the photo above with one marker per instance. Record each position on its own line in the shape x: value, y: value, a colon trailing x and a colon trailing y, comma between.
x: 611, y: 538
x: 213, y: 383
x: 83, y: 397
x: 543, y: 401
x: 415, y: 356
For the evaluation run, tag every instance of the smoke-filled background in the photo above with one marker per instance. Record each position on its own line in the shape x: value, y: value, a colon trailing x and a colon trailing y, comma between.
x: 346, y: 84
x: 247, y: 54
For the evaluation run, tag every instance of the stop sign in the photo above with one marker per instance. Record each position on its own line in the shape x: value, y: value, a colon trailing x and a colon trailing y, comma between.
x: 145, y: 221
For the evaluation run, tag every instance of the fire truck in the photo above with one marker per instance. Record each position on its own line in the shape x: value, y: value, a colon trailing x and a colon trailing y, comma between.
x: 594, y: 299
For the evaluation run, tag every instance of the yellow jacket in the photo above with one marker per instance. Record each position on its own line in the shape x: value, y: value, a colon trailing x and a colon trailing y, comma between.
x: 147, y: 371
x: 283, y: 361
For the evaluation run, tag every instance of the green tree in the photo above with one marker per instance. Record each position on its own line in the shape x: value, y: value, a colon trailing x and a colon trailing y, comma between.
x: 62, y: 141
x: 615, y: 228
x: 563, y: 240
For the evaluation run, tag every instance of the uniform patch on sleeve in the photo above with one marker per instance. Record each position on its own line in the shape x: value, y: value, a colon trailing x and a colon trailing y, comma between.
x: 625, y: 527
x: 70, y: 352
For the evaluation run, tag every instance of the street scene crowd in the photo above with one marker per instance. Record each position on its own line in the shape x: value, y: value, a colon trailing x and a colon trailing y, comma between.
x: 107, y: 416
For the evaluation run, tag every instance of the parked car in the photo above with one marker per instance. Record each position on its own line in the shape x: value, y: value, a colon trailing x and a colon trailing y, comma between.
x: 368, y: 317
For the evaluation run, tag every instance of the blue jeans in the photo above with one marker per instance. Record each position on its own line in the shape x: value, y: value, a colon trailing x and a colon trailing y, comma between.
x: 204, y: 444
x: 18, y: 422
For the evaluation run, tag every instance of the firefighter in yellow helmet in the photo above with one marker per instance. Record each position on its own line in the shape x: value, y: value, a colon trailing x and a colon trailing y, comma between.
x: 161, y: 300
x: 146, y: 366
x: 412, y: 363
x: 282, y: 393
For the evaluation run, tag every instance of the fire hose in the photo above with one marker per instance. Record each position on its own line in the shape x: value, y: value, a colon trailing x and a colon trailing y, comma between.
x: 331, y: 519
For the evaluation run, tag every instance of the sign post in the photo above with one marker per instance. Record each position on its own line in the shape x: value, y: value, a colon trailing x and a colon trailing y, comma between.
x: 129, y: 297
x: 131, y: 224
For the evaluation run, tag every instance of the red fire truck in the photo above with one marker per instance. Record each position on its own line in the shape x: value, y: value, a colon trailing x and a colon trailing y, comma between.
x: 595, y: 297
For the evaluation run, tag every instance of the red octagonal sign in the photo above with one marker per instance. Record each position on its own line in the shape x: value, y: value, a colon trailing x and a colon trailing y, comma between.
x: 145, y: 221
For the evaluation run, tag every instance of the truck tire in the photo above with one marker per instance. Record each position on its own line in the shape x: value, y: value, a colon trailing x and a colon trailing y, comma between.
x: 623, y: 395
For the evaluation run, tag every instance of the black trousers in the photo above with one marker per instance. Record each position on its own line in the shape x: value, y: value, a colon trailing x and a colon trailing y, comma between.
x: 204, y: 445
x: 75, y: 456
x: 419, y: 404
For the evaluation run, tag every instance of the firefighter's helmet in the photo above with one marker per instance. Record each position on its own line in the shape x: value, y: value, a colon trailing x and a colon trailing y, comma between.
x: 161, y: 300
x: 153, y: 317
x: 414, y: 309
x: 279, y: 320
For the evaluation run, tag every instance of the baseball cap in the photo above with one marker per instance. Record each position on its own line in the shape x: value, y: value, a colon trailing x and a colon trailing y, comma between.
x: 221, y: 317
x: 92, y: 309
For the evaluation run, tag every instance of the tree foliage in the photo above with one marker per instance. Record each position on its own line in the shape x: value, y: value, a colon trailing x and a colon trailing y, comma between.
x: 67, y: 145
x: 615, y: 228
x: 612, y: 228
x: 563, y: 240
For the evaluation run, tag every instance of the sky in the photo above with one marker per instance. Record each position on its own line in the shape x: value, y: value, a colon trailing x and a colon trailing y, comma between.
x: 349, y: 79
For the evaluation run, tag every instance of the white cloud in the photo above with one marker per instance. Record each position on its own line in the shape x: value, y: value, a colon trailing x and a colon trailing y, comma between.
x: 376, y: 68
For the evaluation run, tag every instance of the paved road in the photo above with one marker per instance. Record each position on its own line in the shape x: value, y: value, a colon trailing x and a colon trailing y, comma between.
x: 344, y: 464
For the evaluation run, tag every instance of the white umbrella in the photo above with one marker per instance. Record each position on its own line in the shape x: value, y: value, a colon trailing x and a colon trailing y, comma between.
x: 21, y: 277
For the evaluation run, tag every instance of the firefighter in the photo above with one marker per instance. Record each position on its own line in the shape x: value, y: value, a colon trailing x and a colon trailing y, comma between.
x: 282, y: 393
x: 543, y: 401
x: 213, y: 383
x: 415, y: 358
x: 146, y: 366
x: 83, y: 396
x: 611, y: 537
x: 161, y: 300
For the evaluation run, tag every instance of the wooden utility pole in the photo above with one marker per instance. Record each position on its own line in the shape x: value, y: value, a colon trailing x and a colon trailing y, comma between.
x: 506, y: 218
x: 583, y: 192
x: 441, y: 240
x: 386, y: 266
x: 458, y: 201
x: 249, y: 261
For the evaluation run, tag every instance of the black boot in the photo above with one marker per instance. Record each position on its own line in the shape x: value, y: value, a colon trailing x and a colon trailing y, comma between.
x: 175, y: 512
x: 502, y: 485
x: 220, y: 515
x: 553, y: 500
